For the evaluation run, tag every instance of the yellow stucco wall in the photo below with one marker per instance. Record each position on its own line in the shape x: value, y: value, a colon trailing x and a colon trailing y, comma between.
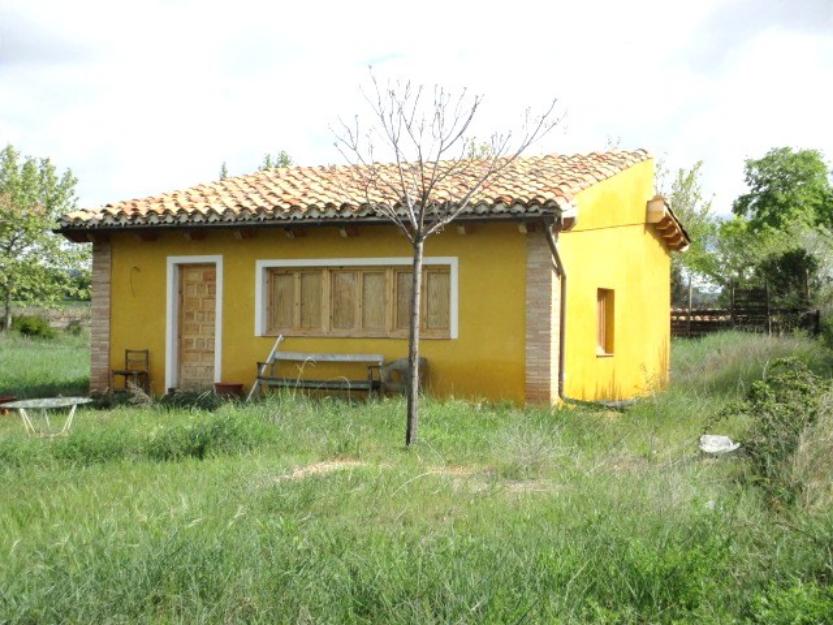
x: 611, y: 247
x: 486, y: 360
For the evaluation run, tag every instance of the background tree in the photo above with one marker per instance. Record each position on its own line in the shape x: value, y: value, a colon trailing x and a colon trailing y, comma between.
x: 36, y: 266
x: 426, y: 137
x: 736, y: 252
x: 792, y: 276
x: 787, y: 186
x: 281, y: 159
x: 694, y: 209
x: 789, y: 205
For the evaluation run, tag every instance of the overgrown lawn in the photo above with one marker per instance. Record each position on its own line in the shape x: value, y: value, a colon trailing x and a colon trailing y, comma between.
x: 301, y: 511
x: 31, y: 367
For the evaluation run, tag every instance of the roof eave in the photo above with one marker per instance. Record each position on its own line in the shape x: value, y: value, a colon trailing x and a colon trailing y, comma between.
x: 670, y: 228
x: 515, y: 213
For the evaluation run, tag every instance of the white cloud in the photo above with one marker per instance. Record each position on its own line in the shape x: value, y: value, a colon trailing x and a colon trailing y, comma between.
x: 147, y: 97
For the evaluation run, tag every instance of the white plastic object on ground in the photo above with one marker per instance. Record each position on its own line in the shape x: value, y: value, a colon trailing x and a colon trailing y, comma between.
x: 717, y: 445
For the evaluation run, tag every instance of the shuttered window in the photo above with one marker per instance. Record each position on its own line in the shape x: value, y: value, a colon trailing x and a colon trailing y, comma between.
x: 356, y: 301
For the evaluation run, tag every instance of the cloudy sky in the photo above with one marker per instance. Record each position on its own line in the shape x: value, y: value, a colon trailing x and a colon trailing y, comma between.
x: 143, y: 97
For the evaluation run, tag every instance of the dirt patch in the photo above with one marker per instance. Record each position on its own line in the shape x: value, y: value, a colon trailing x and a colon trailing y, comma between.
x: 463, y: 478
x: 529, y: 486
x: 625, y: 463
x: 483, y: 479
x: 456, y: 471
x: 321, y: 468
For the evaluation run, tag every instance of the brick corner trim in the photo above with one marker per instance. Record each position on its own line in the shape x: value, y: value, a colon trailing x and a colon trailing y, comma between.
x: 542, y: 310
x: 100, y: 318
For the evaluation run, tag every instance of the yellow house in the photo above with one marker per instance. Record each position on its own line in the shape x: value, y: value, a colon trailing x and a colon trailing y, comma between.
x: 553, y: 284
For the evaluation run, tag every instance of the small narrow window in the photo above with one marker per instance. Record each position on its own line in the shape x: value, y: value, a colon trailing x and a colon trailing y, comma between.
x: 605, y: 329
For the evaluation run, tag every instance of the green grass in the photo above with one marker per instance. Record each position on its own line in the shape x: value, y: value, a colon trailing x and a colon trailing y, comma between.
x: 44, y: 368
x: 301, y: 511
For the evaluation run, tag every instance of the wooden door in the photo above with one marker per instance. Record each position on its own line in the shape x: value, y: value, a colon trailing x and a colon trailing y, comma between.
x: 197, y: 298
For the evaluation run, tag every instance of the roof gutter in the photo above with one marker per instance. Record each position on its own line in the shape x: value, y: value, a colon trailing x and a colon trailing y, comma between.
x: 562, y: 303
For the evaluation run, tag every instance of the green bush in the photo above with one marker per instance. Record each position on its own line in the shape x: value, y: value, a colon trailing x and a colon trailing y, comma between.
x: 799, y: 604
x: 827, y: 331
x: 74, y: 327
x: 33, y: 326
x: 780, y: 407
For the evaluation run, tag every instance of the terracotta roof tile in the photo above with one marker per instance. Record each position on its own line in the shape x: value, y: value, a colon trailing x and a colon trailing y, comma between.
x: 531, y: 185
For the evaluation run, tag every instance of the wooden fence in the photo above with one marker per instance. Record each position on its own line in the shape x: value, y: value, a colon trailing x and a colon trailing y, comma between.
x: 750, y: 310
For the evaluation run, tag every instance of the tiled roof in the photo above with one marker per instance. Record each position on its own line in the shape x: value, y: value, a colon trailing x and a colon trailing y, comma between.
x: 531, y: 185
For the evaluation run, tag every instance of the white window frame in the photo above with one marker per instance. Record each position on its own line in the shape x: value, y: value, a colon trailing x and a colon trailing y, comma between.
x: 262, y: 265
x: 172, y: 315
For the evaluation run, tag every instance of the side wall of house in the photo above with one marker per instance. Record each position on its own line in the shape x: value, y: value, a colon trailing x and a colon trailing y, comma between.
x: 486, y: 360
x: 612, y: 247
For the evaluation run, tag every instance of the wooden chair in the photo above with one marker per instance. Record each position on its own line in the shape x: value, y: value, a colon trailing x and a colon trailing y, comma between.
x: 136, y: 369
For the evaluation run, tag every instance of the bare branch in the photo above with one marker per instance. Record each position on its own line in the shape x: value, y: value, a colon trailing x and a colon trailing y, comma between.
x: 435, y: 175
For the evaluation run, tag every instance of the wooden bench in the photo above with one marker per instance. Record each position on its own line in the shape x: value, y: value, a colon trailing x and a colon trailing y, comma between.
x: 268, y: 376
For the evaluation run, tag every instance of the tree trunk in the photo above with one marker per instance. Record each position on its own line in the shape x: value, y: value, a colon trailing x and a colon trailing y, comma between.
x: 7, y: 312
x: 412, y: 422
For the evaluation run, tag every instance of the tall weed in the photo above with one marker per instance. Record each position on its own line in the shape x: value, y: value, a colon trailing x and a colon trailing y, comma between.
x: 527, y: 452
x: 201, y: 436
x: 812, y: 462
x: 204, y: 435
x: 727, y: 363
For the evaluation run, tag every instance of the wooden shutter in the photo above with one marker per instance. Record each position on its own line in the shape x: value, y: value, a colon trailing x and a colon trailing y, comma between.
x: 344, y: 300
x: 373, y: 300
x: 437, y: 299
x: 402, y: 310
x: 309, y: 308
x: 281, y: 300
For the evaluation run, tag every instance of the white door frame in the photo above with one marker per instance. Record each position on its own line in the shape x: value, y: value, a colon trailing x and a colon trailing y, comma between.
x: 172, y: 315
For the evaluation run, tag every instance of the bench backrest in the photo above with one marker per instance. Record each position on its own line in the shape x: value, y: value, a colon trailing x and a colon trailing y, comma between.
x: 319, y: 357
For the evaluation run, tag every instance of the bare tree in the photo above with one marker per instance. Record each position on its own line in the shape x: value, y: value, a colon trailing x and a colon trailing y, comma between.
x: 435, y: 172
